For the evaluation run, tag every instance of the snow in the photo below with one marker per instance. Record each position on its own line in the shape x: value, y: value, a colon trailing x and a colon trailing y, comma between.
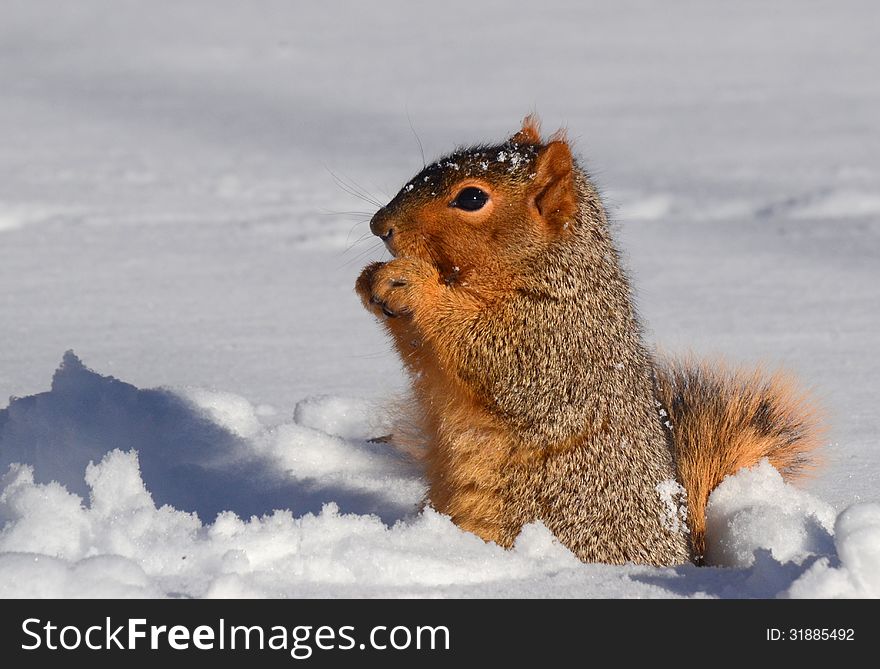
x: 756, y: 510
x: 342, y: 416
x: 169, y: 210
x: 207, y: 452
x: 152, y: 512
x: 674, y: 498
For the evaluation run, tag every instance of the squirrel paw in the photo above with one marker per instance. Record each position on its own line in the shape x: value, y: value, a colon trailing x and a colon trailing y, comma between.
x: 396, y: 287
x: 364, y: 287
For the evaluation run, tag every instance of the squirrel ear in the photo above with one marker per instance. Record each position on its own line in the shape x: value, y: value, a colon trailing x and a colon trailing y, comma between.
x: 553, y: 190
x: 530, y: 133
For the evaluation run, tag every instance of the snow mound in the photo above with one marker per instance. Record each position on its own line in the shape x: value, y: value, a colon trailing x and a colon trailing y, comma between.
x: 755, y: 510
x: 755, y: 515
x: 121, y: 544
x: 115, y: 491
x: 856, y: 571
x: 200, y: 451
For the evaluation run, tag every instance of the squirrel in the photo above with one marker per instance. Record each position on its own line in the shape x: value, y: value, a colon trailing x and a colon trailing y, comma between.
x: 533, y: 392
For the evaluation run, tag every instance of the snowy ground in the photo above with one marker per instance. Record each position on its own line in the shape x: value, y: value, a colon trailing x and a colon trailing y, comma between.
x: 169, y: 211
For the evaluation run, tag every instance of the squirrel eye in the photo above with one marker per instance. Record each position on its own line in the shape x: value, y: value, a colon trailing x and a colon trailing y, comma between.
x: 470, y: 199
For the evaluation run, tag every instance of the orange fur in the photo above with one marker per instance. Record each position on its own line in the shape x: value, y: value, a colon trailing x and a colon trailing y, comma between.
x: 725, y: 419
x: 530, y: 133
x: 533, y: 393
x: 463, y: 474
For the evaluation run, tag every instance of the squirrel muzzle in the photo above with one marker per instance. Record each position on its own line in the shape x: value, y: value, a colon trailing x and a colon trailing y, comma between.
x: 382, y: 226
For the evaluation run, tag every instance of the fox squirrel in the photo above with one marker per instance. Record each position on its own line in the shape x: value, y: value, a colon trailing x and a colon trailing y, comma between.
x: 534, y: 393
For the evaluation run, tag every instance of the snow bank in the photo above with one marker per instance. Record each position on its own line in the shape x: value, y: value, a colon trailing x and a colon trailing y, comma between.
x: 52, y: 542
x: 757, y: 510
x: 856, y: 571
x: 755, y: 515
x: 108, y: 489
x: 203, y: 451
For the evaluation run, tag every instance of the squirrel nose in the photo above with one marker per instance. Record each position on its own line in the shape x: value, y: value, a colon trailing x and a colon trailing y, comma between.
x: 380, y: 226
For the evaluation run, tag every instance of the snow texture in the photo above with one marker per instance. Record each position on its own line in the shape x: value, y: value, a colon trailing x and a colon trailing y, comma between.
x: 130, y: 492
x: 184, y: 197
x: 674, y: 498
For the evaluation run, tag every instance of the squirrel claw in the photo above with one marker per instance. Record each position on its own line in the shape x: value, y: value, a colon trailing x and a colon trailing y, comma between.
x: 396, y: 288
x: 383, y: 307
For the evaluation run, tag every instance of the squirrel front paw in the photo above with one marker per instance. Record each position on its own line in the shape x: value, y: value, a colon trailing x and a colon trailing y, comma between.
x: 364, y: 287
x: 397, y: 287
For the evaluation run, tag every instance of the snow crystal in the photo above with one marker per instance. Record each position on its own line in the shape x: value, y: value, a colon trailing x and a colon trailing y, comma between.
x: 516, y: 159
x: 674, y: 498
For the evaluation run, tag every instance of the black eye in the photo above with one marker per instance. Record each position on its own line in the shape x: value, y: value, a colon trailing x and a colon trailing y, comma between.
x: 470, y: 199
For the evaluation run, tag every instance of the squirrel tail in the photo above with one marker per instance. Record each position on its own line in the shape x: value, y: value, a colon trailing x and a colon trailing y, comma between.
x: 724, y: 419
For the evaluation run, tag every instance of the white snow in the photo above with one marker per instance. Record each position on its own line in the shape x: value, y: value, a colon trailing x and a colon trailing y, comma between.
x: 171, y: 210
x: 674, y: 498
x: 650, y: 208
x: 840, y: 204
x: 318, y: 514
x: 230, y: 411
x: 342, y: 416
x: 756, y: 510
x: 857, y: 542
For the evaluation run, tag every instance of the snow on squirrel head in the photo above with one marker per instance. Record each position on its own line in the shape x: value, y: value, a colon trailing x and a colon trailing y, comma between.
x: 457, y: 213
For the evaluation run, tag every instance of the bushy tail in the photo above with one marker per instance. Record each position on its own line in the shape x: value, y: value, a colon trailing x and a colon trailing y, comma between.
x: 724, y: 419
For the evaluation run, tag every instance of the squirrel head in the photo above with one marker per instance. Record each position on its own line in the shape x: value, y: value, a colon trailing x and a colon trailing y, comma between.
x: 489, y: 206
